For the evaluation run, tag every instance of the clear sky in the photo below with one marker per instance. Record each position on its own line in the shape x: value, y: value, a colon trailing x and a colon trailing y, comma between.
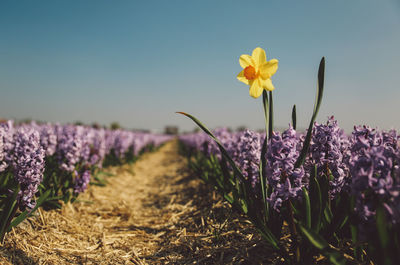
x: 137, y: 62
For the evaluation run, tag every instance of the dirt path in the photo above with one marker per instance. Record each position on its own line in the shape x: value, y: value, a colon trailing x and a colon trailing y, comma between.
x: 151, y: 212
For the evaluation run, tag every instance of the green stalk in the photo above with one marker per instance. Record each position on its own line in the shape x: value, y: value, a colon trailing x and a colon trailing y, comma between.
x: 262, y: 158
x: 271, y: 115
x: 266, y: 113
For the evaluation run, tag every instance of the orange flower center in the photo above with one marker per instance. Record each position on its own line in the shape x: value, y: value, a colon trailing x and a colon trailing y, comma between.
x: 250, y: 73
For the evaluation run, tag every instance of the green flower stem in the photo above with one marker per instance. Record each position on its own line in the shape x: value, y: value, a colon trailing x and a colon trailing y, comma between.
x: 266, y: 113
x: 271, y: 115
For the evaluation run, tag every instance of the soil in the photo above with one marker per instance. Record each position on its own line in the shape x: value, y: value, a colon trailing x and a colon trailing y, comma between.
x: 150, y: 212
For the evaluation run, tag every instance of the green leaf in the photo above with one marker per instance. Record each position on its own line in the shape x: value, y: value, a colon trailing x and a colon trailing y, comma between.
x: 328, y: 214
x: 9, y: 210
x: 269, y: 237
x: 315, y: 239
x: 324, y: 186
x: 320, y: 243
x: 220, y: 146
x: 27, y: 213
x: 381, y: 226
x: 307, y: 208
x: 335, y: 257
x: 294, y: 117
x: 318, y: 100
x: 316, y: 201
x: 341, y: 212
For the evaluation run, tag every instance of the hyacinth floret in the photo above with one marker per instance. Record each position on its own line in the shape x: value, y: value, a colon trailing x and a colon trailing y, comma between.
x: 363, y: 138
x: 48, y: 137
x: 228, y: 140
x: 97, y: 146
x: 327, y: 149
x: 70, y: 146
x: 374, y: 166
x: 3, y: 164
x: 284, y: 179
x: 123, y: 141
x: 81, y: 181
x: 28, y: 163
x: 195, y: 141
x: 139, y: 141
x: 158, y: 139
x: 372, y: 183
x: 247, y: 155
x: 6, y: 144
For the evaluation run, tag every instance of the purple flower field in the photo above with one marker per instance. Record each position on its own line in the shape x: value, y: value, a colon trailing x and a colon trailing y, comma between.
x: 358, y: 174
x: 52, y: 162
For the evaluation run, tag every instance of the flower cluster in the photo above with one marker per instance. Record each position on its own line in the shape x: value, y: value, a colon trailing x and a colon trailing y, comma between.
x: 327, y: 151
x: 28, y: 163
x: 286, y: 180
x: 81, y: 181
x: 97, y: 145
x: 247, y: 155
x: 48, y: 137
x: 6, y: 144
x: 70, y: 146
x: 374, y: 166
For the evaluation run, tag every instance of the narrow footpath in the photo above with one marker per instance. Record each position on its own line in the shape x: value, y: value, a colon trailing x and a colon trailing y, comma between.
x: 150, y: 212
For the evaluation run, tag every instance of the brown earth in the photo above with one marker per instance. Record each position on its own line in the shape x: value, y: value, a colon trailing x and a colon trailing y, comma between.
x: 151, y: 212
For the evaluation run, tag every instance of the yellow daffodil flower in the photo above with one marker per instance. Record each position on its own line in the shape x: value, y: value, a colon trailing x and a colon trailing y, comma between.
x: 257, y: 72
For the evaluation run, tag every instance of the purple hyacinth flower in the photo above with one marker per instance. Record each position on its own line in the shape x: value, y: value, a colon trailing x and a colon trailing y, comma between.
x: 285, y: 180
x: 28, y: 163
x: 6, y: 144
x: 327, y: 151
x: 81, y: 181
x: 70, y: 146
x: 247, y: 155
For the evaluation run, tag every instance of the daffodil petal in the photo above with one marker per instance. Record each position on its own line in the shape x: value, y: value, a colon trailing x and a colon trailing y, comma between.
x: 245, y: 60
x: 259, y: 56
x: 268, y: 69
x: 256, y: 88
x: 267, y: 84
x: 242, y: 78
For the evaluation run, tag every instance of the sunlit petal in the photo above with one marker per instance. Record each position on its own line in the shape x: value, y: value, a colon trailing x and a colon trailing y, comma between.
x: 267, y: 85
x: 259, y: 56
x: 255, y: 88
x: 242, y: 78
x: 245, y: 60
x: 268, y: 69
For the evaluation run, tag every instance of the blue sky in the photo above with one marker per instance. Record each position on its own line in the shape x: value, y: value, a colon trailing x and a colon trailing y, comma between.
x: 137, y: 62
